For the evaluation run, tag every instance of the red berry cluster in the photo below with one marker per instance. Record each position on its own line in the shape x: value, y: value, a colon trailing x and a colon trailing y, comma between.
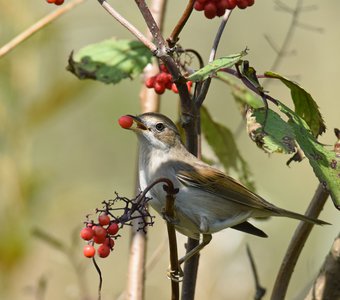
x: 213, y: 8
x: 162, y: 81
x: 56, y: 2
x: 102, y: 233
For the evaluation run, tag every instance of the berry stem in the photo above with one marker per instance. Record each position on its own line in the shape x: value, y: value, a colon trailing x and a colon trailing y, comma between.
x: 173, y: 39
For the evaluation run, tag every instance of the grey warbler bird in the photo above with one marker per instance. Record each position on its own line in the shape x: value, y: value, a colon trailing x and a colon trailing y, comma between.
x: 208, y: 200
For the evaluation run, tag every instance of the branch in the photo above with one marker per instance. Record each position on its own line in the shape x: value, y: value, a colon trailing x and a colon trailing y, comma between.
x: 296, y: 244
x: 173, y: 39
x: 169, y: 213
x: 326, y: 285
x: 140, y: 36
x: 37, y: 26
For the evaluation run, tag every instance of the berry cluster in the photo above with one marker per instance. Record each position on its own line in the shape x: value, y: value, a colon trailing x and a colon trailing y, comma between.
x: 213, y: 8
x: 56, y: 2
x: 162, y: 81
x: 102, y: 233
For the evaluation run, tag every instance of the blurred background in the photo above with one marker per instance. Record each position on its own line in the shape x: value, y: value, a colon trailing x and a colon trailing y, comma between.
x: 62, y: 151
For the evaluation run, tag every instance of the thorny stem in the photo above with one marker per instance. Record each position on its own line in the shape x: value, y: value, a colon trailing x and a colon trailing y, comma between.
x: 140, y: 36
x: 37, y: 26
x: 297, y: 242
x: 173, y: 39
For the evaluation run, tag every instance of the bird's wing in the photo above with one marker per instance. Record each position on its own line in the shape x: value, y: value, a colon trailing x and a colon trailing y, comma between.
x: 219, y: 184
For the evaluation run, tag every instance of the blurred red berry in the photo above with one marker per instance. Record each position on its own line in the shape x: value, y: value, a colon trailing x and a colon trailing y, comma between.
x: 104, y: 219
x: 159, y: 88
x: 89, y: 251
x: 86, y: 233
x: 210, y: 10
x: 149, y: 83
x: 109, y: 242
x: 113, y: 229
x: 103, y: 251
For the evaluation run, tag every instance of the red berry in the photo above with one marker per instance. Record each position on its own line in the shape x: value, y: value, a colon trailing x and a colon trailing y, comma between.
x: 174, y: 88
x: 125, y: 121
x: 86, y: 233
x: 163, y: 68
x: 109, y: 242
x: 230, y: 4
x: 251, y: 2
x: 89, y: 251
x: 50, y: 1
x: 199, y: 6
x: 104, y: 219
x: 162, y: 78
x: 58, y: 2
x: 210, y: 10
x: 113, y: 228
x: 242, y: 4
x: 159, y: 88
x: 103, y: 251
x: 99, y: 234
x: 149, y: 83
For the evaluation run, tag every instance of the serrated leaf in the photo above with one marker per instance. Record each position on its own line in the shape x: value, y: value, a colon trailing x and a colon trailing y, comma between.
x: 222, y: 142
x: 305, y: 106
x: 325, y: 163
x: 110, y: 61
x: 215, y: 65
x: 277, y: 136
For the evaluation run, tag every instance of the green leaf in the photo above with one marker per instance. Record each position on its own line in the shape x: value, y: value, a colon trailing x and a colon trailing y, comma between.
x: 277, y: 136
x: 305, y: 106
x: 222, y: 142
x: 217, y: 64
x: 325, y: 163
x: 110, y: 61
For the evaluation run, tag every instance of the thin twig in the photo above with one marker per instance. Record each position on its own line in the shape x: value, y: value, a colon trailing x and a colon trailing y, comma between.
x: 37, y: 26
x: 289, y: 34
x: 296, y: 244
x: 260, y: 291
x: 206, y: 84
x: 100, y: 278
x: 173, y: 39
x: 140, y: 36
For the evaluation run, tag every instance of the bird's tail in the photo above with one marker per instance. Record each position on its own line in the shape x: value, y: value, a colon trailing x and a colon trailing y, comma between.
x: 294, y: 215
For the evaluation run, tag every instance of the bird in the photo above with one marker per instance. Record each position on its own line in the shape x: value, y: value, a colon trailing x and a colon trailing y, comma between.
x: 208, y: 200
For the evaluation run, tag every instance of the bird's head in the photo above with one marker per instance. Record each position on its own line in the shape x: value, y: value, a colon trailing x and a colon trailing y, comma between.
x: 154, y: 130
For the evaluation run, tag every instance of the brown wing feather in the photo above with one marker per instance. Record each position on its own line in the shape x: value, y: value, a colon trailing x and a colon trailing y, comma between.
x: 219, y: 184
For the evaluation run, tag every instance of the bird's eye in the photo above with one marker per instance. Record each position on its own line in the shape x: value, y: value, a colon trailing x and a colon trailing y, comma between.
x: 160, y: 127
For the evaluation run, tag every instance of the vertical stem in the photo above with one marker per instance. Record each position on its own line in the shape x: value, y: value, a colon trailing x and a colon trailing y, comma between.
x: 149, y: 101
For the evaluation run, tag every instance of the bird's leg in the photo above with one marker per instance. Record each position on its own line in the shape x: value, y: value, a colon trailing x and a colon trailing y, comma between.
x: 205, y: 241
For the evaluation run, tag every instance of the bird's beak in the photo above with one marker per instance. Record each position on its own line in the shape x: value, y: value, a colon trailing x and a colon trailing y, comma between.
x: 138, y: 122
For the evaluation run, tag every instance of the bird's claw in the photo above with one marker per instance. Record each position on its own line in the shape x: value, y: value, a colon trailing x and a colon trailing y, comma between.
x: 175, y: 275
